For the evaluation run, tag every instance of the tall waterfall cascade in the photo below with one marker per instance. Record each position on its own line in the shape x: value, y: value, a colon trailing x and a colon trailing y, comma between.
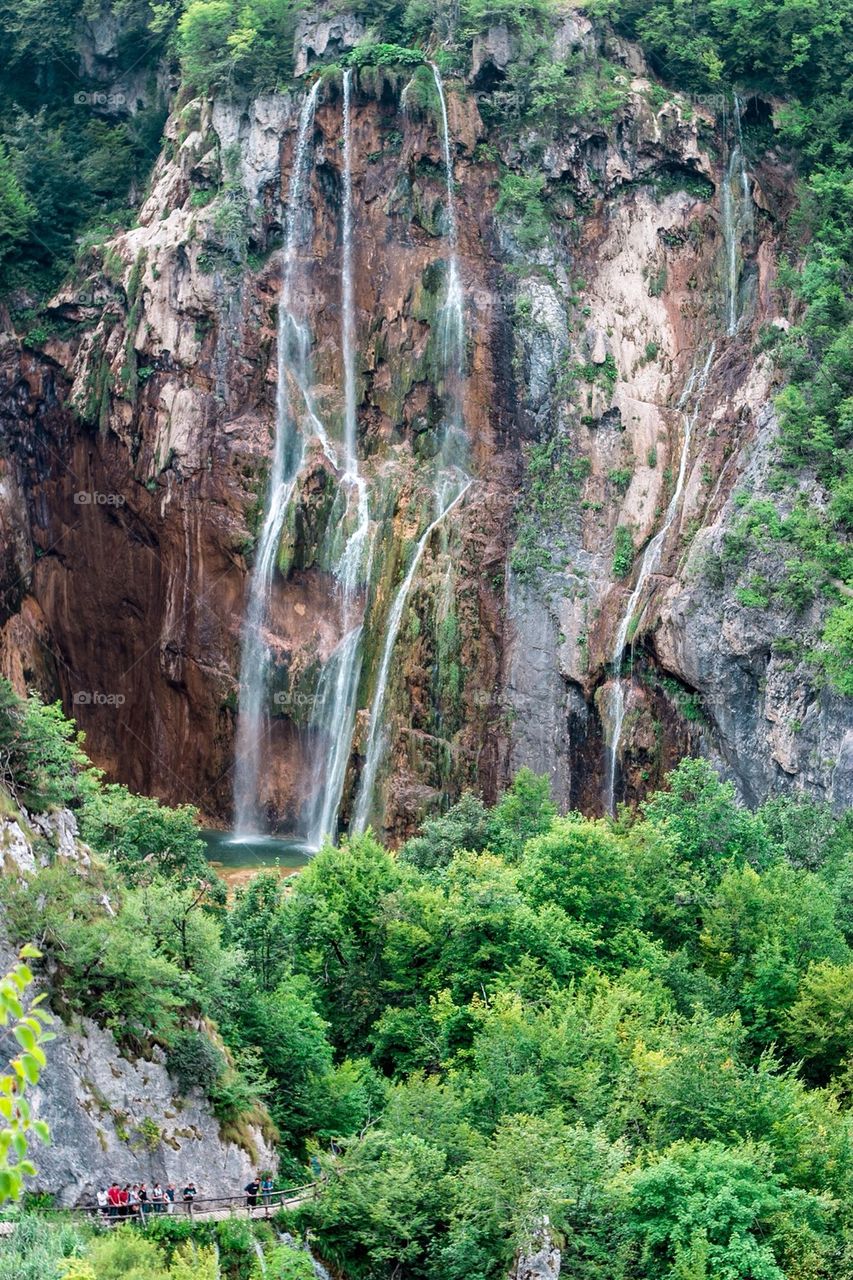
x: 451, y: 479
x: 292, y: 349
x: 334, y: 709
x: 331, y: 725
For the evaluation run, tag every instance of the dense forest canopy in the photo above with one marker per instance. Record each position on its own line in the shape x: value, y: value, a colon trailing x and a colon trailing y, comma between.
x: 639, y: 1029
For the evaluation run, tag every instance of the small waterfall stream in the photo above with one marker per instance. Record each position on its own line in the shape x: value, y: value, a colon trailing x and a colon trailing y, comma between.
x: 737, y: 226
x: 292, y: 355
x: 259, y: 1253
x: 451, y: 480
x: 737, y: 220
x: 694, y: 388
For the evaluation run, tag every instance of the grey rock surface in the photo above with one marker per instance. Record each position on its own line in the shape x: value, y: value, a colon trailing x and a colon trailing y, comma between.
x: 111, y: 1117
x: 318, y: 33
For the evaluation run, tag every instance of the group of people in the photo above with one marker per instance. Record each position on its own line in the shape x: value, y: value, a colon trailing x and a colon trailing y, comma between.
x: 258, y: 1187
x: 134, y: 1199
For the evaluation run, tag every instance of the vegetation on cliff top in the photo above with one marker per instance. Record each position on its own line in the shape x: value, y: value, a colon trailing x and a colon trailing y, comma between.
x: 640, y: 1029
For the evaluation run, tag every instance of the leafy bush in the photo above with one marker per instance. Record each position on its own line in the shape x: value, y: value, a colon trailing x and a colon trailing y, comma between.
x: 373, y: 54
x: 520, y: 200
x: 237, y: 45
x: 623, y: 552
x: 42, y: 763
x: 194, y: 1061
x: 143, y: 837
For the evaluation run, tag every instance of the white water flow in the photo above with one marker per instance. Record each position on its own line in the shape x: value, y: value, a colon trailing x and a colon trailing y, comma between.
x: 262, y: 1262
x: 451, y: 481
x: 292, y: 353
x: 737, y: 220
x: 375, y: 736
x: 333, y: 718
x: 694, y: 387
x: 454, y: 446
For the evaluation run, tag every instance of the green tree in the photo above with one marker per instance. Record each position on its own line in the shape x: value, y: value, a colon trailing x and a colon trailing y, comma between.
x: 819, y: 1024
x: 336, y: 923
x: 583, y: 867
x: 524, y: 811
x: 145, y: 838
x: 703, y: 1209
x: 42, y: 763
x: 28, y: 1023
x: 15, y: 210
x: 534, y: 1171
x: 465, y: 826
x: 704, y: 820
x: 383, y: 1206
x: 256, y: 925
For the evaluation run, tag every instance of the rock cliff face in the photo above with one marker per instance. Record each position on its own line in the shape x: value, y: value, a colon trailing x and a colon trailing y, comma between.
x: 112, y: 1116
x: 137, y: 445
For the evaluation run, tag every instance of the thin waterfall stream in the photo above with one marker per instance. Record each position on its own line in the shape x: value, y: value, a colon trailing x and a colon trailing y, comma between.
x: 737, y: 220
x: 292, y: 352
x: 694, y: 388
x: 737, y: 225
x: 451, y: 479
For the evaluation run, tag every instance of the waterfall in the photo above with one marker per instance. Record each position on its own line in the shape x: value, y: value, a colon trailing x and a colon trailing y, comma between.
x: 451, y: 320
x: 292, y: 355
x: 374, y: 737
x: 737, y: 220
x: 451, y: 480
x: 648, y: 565
x: 333, y: 718
x: 262, y: 1262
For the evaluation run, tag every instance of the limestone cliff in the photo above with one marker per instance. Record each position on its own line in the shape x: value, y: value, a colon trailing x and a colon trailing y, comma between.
x: 112, y: 1115
x: 137, y: 443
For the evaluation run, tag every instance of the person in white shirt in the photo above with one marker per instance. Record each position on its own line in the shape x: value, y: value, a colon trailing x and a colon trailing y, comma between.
x: 103, y: 1202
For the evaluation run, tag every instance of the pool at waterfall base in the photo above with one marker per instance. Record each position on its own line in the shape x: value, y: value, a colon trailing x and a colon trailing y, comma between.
x: 238, y: 858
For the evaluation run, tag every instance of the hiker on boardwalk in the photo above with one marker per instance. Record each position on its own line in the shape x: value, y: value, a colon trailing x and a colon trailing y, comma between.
x: 158, y: 1198
x: 103, y: 1202
x: 171, y: 1192
x: 266, y: 1188
x: 188, y: 1195
x: 252, y: 1188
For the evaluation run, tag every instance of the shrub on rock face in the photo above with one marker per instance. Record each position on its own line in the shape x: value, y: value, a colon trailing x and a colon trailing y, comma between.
x: 42, y: 763
x: 194, y: 1062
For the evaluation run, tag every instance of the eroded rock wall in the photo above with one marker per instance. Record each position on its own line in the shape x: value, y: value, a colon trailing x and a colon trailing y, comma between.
x: 139, y: 439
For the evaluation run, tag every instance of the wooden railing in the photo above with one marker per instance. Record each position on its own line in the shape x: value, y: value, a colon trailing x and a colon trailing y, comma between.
x: 265, y: 1204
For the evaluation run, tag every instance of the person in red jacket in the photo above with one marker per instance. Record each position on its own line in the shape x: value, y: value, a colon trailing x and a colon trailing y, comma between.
x: 124, y: 1200
x: 114, y: 1199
